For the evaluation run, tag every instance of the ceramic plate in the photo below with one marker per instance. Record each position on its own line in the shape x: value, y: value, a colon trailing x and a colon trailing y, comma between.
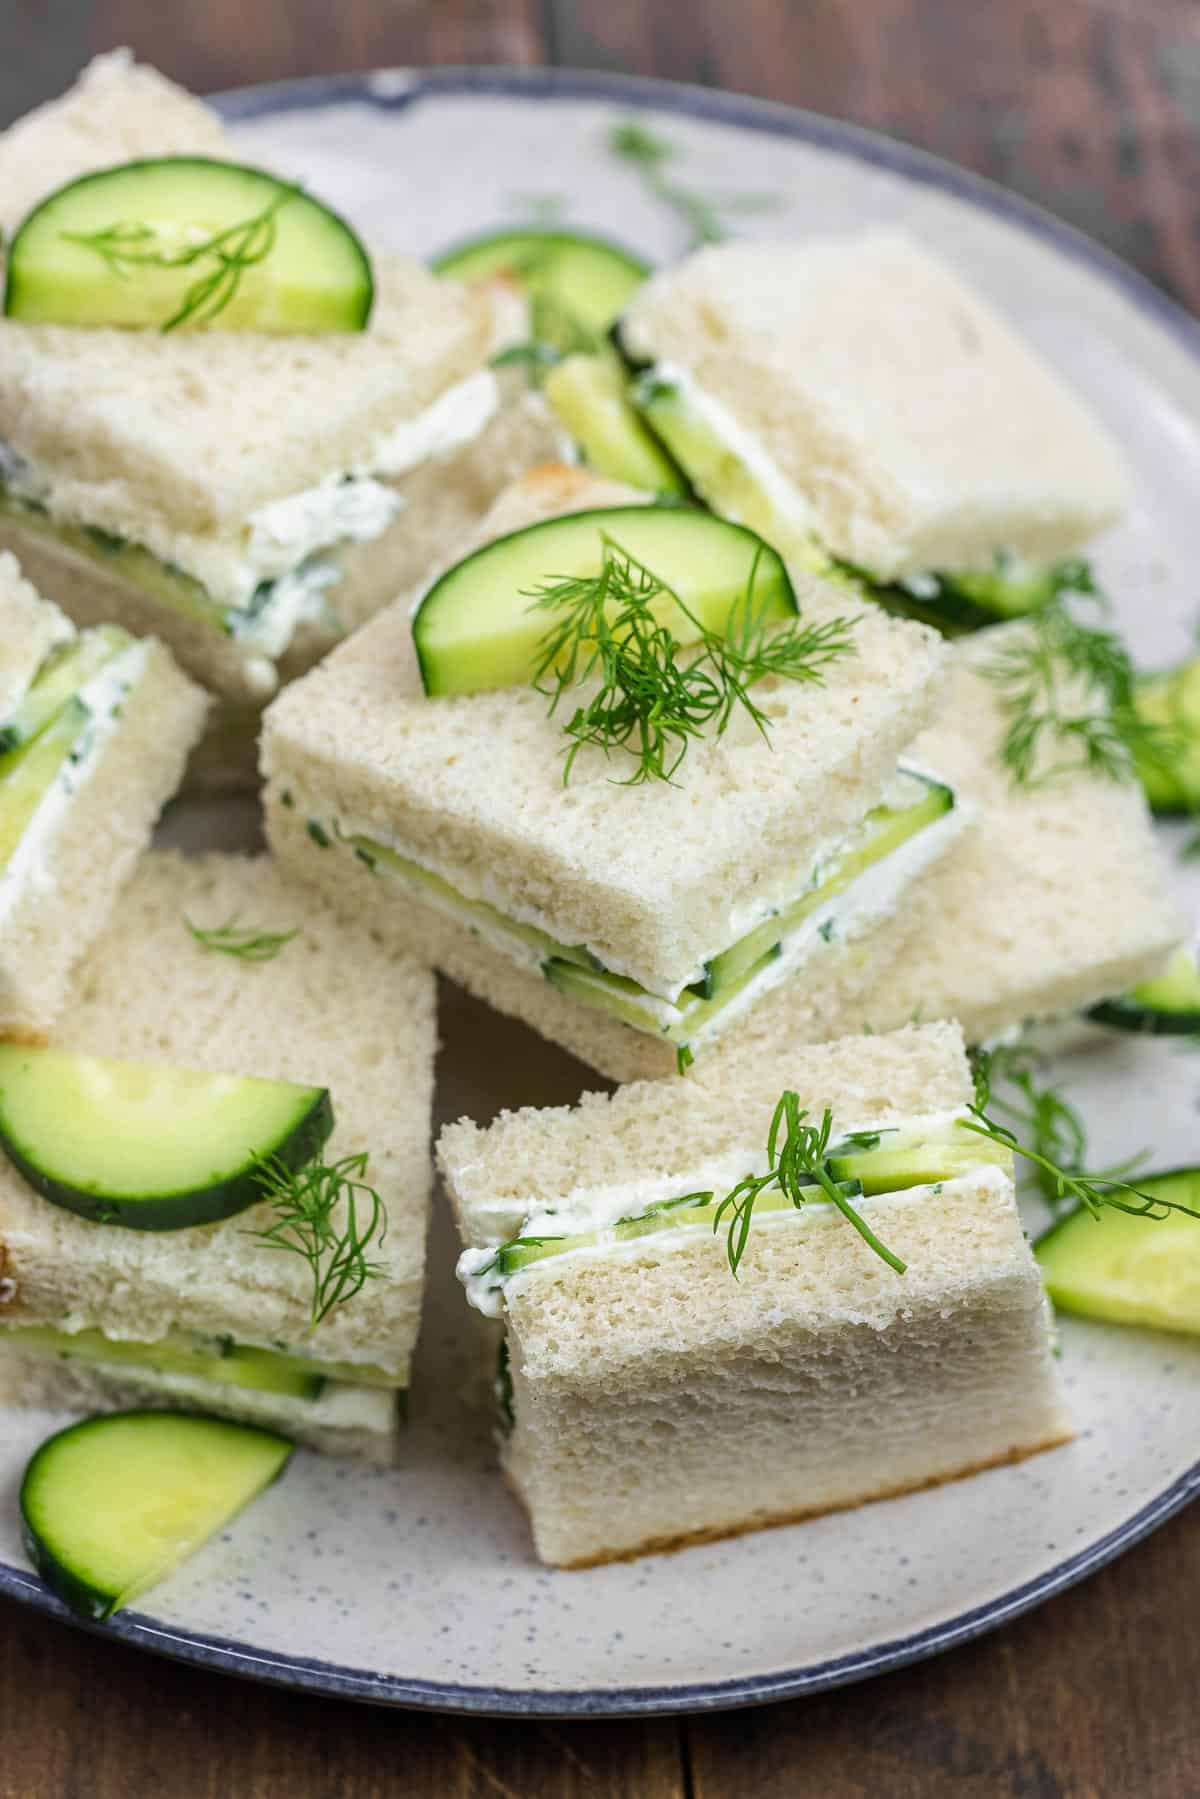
x: 419, y: 1586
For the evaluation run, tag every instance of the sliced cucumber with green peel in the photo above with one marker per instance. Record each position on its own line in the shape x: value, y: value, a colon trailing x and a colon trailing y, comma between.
x: 111, y: 1506
x: 589, y: 394
x: 888, y: 827
x: 713, y: 468
x: 478, y: 629
x: 68, y: 668
x: 626, y: 1000
x: 146, y: 1145
x: 28, y: 772
x: 1167, y: 1005
x: 975, y: 598
x: 188, y: 241
x: 1129, y: 1270
x: 692, y: 1209
x: 472, y: 913
x: 587, y: 280
x: 921, y: 1162
x: 1170, y: 773
x: 205, y: 1358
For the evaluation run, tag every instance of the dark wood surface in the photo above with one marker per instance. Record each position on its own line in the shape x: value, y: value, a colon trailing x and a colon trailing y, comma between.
x: 1093, y: 108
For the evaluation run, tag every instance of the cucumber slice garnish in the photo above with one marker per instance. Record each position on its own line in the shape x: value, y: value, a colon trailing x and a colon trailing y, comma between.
x: 1129, y: 1270
x: 1171, y: 774
x: 188, y: 241
x: 149, y: 1146
x: 574, y: 279
x: 589, y: 395
x: 111, y: 1506
x: 1167, y: 1005
x: 477, y: 628
x: 28, y: 772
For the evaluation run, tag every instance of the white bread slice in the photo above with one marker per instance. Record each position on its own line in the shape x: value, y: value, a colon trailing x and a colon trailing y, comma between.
x: 76, y: 855
x: 332, y: 1008
x: 644, y: 875
x: 342, y: 1420
x: 1054, y: 898
x: 659, y: 1402
x: 920, y: 431
x: 117, y: 111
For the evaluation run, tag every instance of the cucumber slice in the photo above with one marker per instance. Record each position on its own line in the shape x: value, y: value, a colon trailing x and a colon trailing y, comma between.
x: 29, y: 772
x: 232, y: 1364
x: 920, y: 1163
x: 65, y: 671
x: 112, y: 1505
x: 477, y: 629
x: 673, y: 1214
x: 1168, y: 1005
x: 589, y: 395
x: 152, y: 243
x: 149, y: 1146
x: 1129, y: 1270
x: 976, y: 598
x: 1171, y: 700
x: 586, y: 281
x: 472, y: 913
x: 888, y: 828
x: 715, y: 470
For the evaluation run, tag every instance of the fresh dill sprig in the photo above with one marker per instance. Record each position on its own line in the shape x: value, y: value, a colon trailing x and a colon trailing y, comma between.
x: 223, y: 257
x: 329, y: 1215
x: 652, y: 701
x: 796, y: 1152
x: 1064, y: 1185
x: 243, y: 941
x: 1067, y: 689
x: 1051, y: 1124
x: 649, y: 152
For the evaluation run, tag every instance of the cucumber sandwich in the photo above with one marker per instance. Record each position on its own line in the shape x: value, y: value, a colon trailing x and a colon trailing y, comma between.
x: 633, y: 911
x: 886, y: 1328
x: 857, y: 402
x: 95, y: 729
x: 214, y: 1182
x: 247, y: 470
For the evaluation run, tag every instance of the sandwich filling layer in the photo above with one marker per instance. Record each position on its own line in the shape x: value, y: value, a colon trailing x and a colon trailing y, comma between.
x: 898, y: 1163
x: 218, y: 1359
x: 740, y: 479
x: 261, y: 588
x: 847, y: 889
x: 51, y: 743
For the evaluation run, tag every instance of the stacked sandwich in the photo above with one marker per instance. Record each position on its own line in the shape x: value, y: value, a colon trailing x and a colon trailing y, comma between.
x: 248, y: 495
x: 702, y: 792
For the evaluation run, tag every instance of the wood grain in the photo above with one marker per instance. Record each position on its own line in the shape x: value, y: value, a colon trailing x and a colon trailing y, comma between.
x: 1093, y: 108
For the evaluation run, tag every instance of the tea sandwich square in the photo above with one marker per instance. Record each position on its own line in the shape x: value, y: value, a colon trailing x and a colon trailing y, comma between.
x: 885, y: 1330
x: 253, y: 490
x: 95, y: 729
x: 633, y: 920
x: 222, y: 1010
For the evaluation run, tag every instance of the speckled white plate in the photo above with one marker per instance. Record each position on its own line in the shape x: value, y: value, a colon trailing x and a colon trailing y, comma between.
x: 419, y: 1586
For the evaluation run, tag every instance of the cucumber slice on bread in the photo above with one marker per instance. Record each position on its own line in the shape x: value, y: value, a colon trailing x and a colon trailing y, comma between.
x: 478, y: 627
x: 188, y: 241
x: 111, y: 1506
x: 1123, y: 1269
x: 28, y: 772
x: 146, y: 1145
x: 589, y: 396
x: 1167, y: 1005
x: 582, y: 282
x: 1170, y: 772
x: 203, y: 1358
x: 65, y: 671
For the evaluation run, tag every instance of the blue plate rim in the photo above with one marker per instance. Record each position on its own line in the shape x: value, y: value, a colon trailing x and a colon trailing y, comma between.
x: 392, y: 90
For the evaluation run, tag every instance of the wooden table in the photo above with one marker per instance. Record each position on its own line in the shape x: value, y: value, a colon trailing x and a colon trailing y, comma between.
x: 1093, y: 108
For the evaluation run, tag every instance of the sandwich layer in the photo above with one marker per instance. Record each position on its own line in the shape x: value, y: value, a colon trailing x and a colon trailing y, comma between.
x: 1056, y: 896
x: 867, y: 397
x: 80, y: 798
x: 658, y: 1401
x: 331, y: 1008
x: 341, y: 1420
x: 646, y: 877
